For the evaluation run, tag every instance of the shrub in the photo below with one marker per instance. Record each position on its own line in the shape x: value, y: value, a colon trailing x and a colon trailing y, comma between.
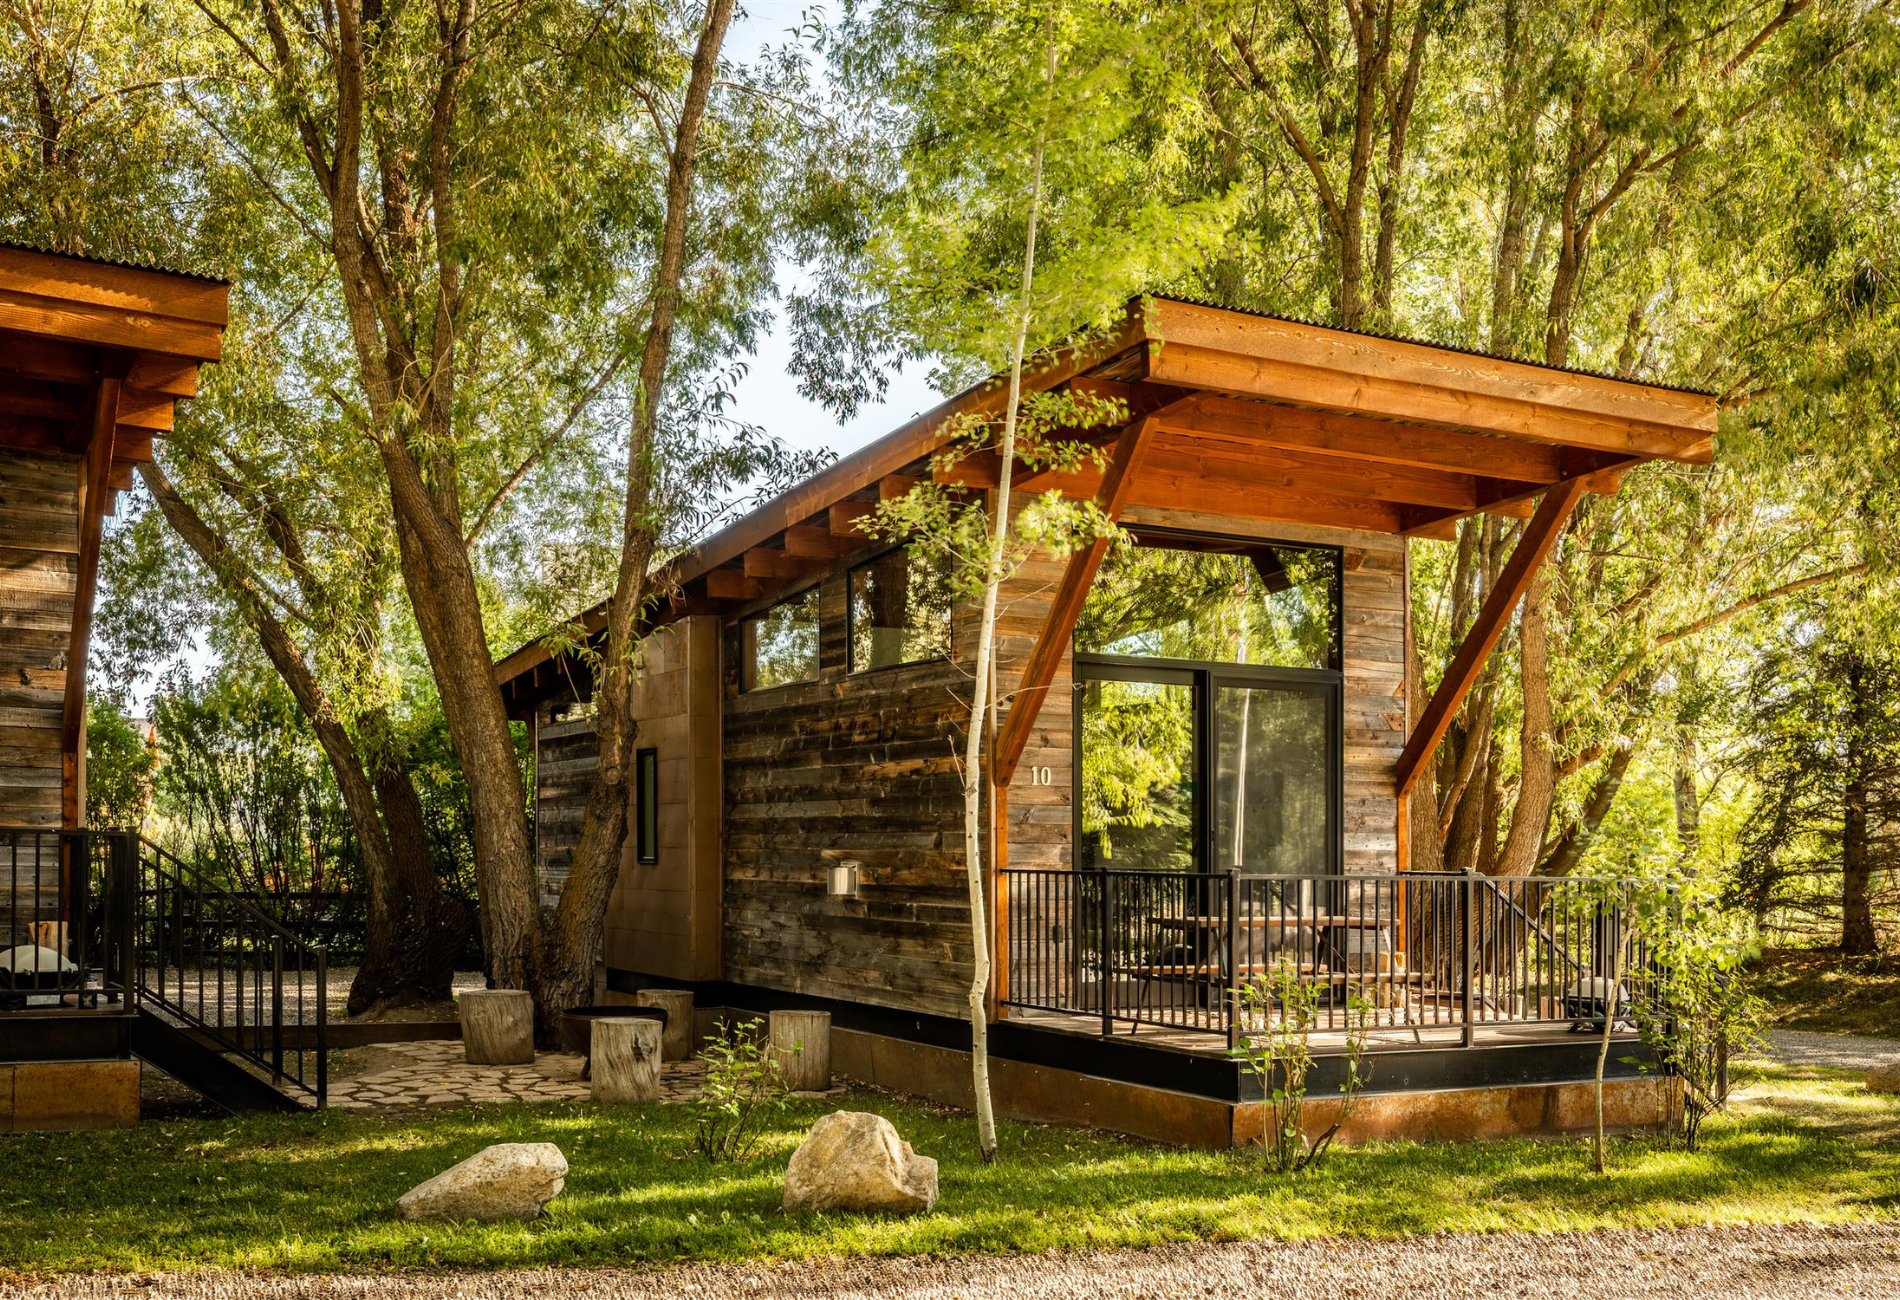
x: 743, y: 1085
x: 1285, y: 1007
x: 1704, y: 1021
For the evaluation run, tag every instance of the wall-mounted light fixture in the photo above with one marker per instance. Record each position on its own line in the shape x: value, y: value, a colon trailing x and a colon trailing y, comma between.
x: 842, y: 879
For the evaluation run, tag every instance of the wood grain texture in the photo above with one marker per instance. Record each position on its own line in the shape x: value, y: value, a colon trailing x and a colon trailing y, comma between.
x: 858, y: 767
x: 39, y: 545
x: 626, y: 1060
x: 497, y: 1026
x: 799, y: 1044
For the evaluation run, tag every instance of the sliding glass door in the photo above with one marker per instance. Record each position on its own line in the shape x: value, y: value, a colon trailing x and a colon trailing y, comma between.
x: 1274, y: 759
x: 1206, y: 767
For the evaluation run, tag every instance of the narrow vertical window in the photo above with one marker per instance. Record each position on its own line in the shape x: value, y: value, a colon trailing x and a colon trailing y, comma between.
x: 646, y: 819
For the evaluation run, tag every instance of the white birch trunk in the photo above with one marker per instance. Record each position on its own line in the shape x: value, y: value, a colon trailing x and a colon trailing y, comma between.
x: 981, y: 702
x: 1611, y: 1007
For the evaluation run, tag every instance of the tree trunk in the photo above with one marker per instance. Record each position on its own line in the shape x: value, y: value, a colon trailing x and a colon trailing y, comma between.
x: 413, y: 928
x: 566, y: 973
x: 1611, y: 1006
x: 1537, y: 778
x: 1858, y: 936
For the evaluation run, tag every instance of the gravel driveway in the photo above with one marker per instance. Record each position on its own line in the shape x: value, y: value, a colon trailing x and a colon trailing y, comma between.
x: 1782, y: 1263
x: 1836, y: 1051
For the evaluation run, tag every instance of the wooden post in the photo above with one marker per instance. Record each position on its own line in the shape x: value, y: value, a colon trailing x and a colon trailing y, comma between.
x: 497, y: 1026
x: 679, y: 1040
x: 94, y: 494
x: 800, y: 1043
x: 626, y: 1057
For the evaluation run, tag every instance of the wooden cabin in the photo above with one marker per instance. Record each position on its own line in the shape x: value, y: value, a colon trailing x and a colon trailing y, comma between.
x: 93, y: 358
x: 1199, y: 767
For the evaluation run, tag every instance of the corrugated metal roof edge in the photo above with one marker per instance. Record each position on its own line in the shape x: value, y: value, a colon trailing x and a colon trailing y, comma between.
x: 1195, y: 301
x: 19, y: 246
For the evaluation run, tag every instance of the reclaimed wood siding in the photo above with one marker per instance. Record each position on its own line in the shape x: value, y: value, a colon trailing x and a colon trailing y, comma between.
x: 566, y: 756
x: 849, y: 767
x: 39, y: 564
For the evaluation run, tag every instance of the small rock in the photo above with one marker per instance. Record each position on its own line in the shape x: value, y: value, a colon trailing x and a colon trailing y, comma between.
x: 511, y: 1180
x: 852, y: 1160
x: 1884, y: 1079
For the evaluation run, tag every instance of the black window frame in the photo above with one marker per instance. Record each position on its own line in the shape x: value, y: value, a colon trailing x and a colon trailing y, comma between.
x: 1174, y: 539
x: 850, y: 621
x: 748, y: 658
x: 1206, y: 677
x: 646, y: 806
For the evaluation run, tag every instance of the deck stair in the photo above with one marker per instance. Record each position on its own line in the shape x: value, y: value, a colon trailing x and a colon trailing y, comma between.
x: 164, y: 964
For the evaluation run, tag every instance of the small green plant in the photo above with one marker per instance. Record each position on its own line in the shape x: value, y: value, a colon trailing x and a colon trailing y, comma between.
x: 1703, y: 1020
x: 744, y: 1085
x: 1278, y: 1011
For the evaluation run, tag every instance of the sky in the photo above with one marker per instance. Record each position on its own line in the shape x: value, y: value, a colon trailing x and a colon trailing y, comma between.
x: 768, y: 396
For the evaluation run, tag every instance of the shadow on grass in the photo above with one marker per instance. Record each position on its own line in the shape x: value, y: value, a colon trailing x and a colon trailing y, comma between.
x: 318, y: 1192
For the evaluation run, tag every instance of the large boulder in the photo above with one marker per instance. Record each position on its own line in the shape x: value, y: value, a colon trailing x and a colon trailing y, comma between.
x: 852, y: 1160
x: 511, y: 1180
x: 1885, y: 1078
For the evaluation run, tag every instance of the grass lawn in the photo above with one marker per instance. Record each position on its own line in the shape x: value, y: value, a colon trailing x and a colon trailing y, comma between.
x: 316, y: 1193
x: 1820, y: 990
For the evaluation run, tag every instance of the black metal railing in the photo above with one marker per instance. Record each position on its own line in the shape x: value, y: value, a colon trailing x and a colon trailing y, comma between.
x: 103, y: 920
x: 222, y: 966
x: 67, y: 902
x: 1414, y: 951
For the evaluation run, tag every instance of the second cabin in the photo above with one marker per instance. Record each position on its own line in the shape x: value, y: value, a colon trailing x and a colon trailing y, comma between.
x: 1199, y: 768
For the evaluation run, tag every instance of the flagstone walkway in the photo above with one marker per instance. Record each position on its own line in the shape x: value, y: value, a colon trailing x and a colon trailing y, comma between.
x: 435, y: 1073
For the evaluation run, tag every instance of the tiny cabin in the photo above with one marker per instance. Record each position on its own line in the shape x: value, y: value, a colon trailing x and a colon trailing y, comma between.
x: 1197, y: 771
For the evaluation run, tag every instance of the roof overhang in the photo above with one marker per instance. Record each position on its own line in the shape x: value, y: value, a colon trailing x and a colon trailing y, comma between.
x: 67, y: 323
x: 1254, y: 417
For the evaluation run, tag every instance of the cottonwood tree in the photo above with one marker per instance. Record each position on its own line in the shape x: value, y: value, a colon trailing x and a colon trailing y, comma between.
x: 509, y: 210
x: 998, y: 231
x: 98, y: 148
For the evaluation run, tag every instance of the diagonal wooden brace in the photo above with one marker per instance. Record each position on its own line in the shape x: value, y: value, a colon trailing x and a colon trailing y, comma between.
x: 1533, y: 546
x: 1117, y: 481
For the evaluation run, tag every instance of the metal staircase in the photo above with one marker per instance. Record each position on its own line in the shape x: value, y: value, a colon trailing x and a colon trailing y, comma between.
x: 196, y: 981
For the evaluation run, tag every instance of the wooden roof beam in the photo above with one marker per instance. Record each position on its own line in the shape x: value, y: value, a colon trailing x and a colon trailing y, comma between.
x: 1410, y: 401
x: 1367, y: 372
x: 844, y: 517
x: 772, y: 563
x: 732, y: 584
x: 1295, y: 428
x: 818, y: 543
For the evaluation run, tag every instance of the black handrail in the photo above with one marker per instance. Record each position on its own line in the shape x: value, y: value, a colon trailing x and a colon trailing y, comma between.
x: 1422, y: 951
x: 227, y: 969
x: 70, y: 893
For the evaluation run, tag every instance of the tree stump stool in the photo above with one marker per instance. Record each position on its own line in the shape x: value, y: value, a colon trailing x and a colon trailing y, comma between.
x: 677, y: 1042
x: 799, y: 1042
x: 626, y: 1060
x: 497, y: 1026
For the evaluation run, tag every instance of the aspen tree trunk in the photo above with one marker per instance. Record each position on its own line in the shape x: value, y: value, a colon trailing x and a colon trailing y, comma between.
x: 980, y: 702
x: 1610, y: 1008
